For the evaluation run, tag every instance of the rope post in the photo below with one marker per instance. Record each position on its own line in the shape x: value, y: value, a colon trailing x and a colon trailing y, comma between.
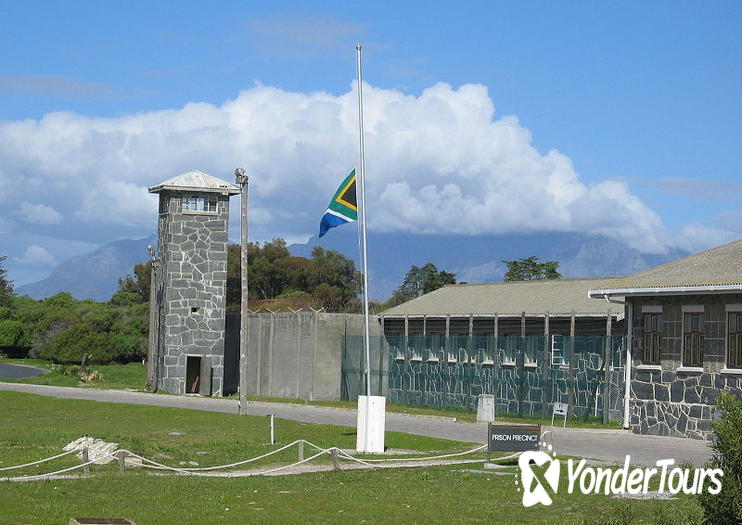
x: 301, y: 450
x: 85, y: 460
x: 335, y: 460
x: 121, y: 456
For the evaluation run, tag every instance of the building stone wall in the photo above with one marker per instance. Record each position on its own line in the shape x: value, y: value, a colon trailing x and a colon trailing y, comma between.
x: 191, y: 289
x: 666, y: 400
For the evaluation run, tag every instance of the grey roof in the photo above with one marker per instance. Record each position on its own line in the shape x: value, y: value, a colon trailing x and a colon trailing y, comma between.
x: 556, y: 296
x: 196, y: 181
x: 720, y: 266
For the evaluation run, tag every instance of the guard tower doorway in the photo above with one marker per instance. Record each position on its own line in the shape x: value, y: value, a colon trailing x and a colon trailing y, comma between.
x: 198, y: 375
x: 193, y: 374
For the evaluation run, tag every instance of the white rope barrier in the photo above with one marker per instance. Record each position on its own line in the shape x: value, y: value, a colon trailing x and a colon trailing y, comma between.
x: 40, y: 461
x: 55, y: 473
x: 229, y: 465
x: 202, y: 471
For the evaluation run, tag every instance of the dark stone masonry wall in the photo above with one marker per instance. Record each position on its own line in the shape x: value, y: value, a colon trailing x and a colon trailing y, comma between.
x: 669, y: 401
x: 193, y: 250
x: 677, y: 404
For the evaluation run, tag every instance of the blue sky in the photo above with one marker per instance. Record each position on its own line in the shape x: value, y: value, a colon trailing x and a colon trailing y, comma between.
x: 639, y: 102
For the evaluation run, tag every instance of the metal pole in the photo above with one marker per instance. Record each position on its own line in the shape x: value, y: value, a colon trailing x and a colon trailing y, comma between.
x: 242, y: 180
x: 152, y: 354
x: 362, y: 180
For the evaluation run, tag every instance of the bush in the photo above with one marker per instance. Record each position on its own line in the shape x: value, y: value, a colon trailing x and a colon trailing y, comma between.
x: 74, y: 343
x: 726, y: 507
x: 12, y: 334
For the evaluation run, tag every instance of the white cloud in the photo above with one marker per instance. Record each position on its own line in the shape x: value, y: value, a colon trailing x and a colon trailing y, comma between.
x: 696, y: 237
x: 37, y: 255
x: 440, y: 162
x: 38, y: 214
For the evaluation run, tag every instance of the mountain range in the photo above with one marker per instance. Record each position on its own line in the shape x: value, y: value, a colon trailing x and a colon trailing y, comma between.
x: 473, y: 259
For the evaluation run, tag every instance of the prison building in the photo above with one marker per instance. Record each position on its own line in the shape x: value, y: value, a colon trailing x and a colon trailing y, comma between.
x: 685, y: 335
x: 516, y: 308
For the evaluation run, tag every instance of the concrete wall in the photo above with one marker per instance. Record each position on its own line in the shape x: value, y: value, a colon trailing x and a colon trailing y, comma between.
x: 668, y: 400
x: 293, y: 355
x: 191, y: 290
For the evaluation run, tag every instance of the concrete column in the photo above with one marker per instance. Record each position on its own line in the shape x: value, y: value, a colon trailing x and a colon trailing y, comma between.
x: 571, y: 372
x: 407, y: 337
x: 606, y: 366
x: 470, y: 342
x: 270, y: 356
x: 298, y: 354
x: 545, y: 365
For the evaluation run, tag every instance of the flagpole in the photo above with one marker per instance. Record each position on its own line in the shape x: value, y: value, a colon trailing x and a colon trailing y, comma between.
x: 362, y: 219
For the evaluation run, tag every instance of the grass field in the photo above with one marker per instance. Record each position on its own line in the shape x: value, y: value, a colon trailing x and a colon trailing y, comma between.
x: 35, y: 427
x: 130, y: 375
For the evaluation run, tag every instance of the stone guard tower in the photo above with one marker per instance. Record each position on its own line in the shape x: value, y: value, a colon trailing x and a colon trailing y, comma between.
x: 191, y: 283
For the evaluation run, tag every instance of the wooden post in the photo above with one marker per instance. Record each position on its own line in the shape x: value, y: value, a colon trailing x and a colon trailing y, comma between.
x: 607, y: 367
x: 242, y: 180
x: 121, y: 456
x: 335, y: 460
x: 301, y: 450
x: 152, y: 353
x: 85, y: 459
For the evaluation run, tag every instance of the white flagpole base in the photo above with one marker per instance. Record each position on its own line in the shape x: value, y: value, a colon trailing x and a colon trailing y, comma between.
x: 371, y: 423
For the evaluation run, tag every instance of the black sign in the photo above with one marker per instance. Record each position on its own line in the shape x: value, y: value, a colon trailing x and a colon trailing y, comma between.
x: 513, y: 438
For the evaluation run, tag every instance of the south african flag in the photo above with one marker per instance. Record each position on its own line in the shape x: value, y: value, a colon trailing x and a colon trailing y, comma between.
x: 343, y: 207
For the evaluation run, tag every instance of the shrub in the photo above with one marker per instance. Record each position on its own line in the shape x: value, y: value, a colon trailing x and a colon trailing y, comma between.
x: 12, y: 334
x: 74, y: 343
x: 726, y: 507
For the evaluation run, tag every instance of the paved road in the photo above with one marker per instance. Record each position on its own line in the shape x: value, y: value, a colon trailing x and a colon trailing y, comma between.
x: 19, y: 371
x: 607, y: 445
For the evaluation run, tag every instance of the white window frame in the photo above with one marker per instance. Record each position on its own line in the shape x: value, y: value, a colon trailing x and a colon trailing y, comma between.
x: 199, y: 203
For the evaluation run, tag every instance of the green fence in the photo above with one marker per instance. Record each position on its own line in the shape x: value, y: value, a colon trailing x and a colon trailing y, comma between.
x: 525, y: 374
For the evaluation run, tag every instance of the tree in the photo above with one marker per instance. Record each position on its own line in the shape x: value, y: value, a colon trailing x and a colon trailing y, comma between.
x: 6, y: 286
x: 139, y: 282
x: 530, y: 269
x: 273, y: 272
x: 419, y: 281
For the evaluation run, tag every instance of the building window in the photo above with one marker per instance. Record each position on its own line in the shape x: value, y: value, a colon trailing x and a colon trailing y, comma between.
x: 559, y: 350
x: 652, y: 338
x: 693, y: 339
x: 199, y: 203
x: 734, y: 340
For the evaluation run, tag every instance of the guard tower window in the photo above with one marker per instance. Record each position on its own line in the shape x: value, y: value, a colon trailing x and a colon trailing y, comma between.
x: 199, y: 203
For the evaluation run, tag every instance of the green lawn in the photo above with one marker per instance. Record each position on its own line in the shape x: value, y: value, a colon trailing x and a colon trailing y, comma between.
x: 35, y: 427
x: 131, y: 375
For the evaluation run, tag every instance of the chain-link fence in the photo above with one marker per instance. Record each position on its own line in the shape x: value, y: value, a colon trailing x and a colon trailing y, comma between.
x: 525, y: 374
